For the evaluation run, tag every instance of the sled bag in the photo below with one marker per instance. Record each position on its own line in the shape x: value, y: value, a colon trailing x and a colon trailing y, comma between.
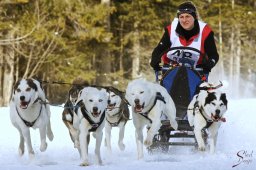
x: 181, y: 83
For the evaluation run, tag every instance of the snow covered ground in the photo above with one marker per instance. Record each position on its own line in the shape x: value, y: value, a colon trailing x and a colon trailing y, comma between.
x: 236, y: 145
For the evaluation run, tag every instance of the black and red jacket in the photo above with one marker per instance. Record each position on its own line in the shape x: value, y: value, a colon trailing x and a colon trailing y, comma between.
x: 186, y: 37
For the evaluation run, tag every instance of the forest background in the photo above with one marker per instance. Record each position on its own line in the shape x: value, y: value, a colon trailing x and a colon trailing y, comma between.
x: 109, y: 42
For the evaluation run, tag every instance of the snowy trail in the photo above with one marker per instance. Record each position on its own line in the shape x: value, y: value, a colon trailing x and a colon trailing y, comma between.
x: 236, y: 135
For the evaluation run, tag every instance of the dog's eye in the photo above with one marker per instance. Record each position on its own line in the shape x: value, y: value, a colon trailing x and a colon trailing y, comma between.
x: 113, y: 95
x: 18, y: 90
x: 90, y: 100
x: 221, y: 104
x: 28, y: 89
x: 141, y: 92
x: 213, y: 104
x: 100, y: 100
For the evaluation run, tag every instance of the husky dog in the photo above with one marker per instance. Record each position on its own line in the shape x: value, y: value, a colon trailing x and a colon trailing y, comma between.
x: 117, y: 115
x: 205, y: 112
x: 148, y: 101
x: 90, y: 117
x: 68, y: 112
x: 29, y: 108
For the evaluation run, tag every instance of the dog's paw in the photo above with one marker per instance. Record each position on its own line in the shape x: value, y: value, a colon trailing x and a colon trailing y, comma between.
x: 99, y: 162
x: 43, y: 147
x: 148, y: 142
x: 76, y: 144
x: 31, y: 155
x: 50, y: 136
x: 21, y: 151
x: 202, y: 148
x: 174, y: 125
x: 139, y: 157
x: 121, y: 146
x: 84, y: 163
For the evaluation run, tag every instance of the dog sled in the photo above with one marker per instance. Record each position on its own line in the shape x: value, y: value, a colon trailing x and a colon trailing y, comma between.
x: 181, y: 81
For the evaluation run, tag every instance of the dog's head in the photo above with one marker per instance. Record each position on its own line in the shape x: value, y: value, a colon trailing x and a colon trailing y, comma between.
x: 25, y: 92
x: 78, y: 85
x: 94, y: 100
x: 139, y: 95
x: 214, y: 104
x: 73, y: 93
x: 114, y: 100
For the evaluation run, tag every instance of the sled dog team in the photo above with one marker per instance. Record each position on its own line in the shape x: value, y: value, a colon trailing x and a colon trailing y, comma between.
x: 91, y: 109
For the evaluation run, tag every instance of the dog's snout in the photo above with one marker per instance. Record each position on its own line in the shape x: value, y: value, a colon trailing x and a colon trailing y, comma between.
x: 217, y: 112
x: 22, y: 98
x: 136, y: 101
x: 109, y: 101
x: 95, y: 109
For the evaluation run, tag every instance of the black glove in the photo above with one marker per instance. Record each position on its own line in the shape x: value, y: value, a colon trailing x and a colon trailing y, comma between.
x: 209, y: 64
x: 157, y: 68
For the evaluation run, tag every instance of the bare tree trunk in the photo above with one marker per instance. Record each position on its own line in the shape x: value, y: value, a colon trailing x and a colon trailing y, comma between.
x: 231, y: 62
x: 219, y: 71
x: 237, y: 57
x: 1, y: 74
x: 104, y: 69
x: 232, y: 52
x: 220, y: 40
x: 7, y: 56
x: 121, y: 47
x: 136, y: 54
x: 121, y: 55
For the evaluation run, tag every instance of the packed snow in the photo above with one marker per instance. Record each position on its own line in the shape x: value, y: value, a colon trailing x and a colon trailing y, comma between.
x: 236, y: 146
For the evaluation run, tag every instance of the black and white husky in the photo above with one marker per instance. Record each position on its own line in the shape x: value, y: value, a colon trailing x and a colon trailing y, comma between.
x: 28, y: 109
x: 205, y: 112
x: 69, y: 107
x: 117, y: 115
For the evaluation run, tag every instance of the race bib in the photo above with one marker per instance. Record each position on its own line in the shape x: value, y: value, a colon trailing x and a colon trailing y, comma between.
x: 188, y: 58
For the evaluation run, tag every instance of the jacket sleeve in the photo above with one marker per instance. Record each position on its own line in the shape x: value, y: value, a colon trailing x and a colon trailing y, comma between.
x: 211, y: 51
x: 160, y: 49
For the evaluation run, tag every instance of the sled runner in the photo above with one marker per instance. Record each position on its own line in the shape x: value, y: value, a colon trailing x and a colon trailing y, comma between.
x: 181, y: 79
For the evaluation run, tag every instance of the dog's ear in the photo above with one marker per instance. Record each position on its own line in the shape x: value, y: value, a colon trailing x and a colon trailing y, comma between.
x: 210, y: 97
x: 80, y: 93
x: 224, y: 99
x: 105, y: 92
x: 15, y: 85
x: 39, y: 90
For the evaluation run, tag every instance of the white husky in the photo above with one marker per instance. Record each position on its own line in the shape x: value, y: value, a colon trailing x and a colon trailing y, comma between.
x: 90, y: 117
x: 148, y: 101
x: 27, y: 110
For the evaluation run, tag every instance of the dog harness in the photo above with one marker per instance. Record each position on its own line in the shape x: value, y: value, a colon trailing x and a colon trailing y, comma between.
x: 27, y: 123
x: 121, y: 114
x: 70, y: 107
x: 200, y: 110
x: 158, y: 97
x: 91, y: 122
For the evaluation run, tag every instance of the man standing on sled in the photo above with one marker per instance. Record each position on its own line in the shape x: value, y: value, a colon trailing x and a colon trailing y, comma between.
x: 187, y: 31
